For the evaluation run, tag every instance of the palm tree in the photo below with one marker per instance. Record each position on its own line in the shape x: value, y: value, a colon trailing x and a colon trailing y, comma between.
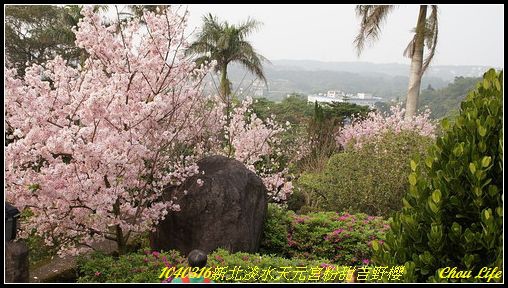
x: 225, y: 43
x: 426, y: 32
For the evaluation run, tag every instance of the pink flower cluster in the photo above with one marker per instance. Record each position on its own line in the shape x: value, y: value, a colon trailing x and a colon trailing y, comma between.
x: 378, y: 123
x: 346, y: 216
x: 254, y: 140
x: 338, y: 231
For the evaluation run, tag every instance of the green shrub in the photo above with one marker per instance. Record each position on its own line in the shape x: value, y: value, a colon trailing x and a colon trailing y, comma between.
x: 343, y: 238
x: 453, y: 217
x: 147, y: 267
x: 370, y: 179
x: 296, y: 200
x: 275, y: 230
x: 136, y: 267
x: 244, y: 260
x: 38, y: 252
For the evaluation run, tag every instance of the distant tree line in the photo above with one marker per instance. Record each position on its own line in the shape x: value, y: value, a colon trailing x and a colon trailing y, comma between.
x: 445, y: 102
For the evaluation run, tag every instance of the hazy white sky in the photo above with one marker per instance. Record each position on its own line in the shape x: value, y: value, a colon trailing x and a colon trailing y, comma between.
x: 468, y: 34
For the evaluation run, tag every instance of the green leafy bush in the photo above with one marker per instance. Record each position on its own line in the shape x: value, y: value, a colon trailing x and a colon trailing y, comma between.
x: 148, y: 267
x: 370, y: 179
x: 343, y: 238
x: 296, y: 200
x: 140, y: 267
x: 39, y: 252
x: 274, y: 239
x: 244, y: 260
x: 453, y: 213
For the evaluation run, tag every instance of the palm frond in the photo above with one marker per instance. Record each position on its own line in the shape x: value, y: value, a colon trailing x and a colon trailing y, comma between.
x: 372, y: 17
x: 431, y: 36
x: 247, y: 27
x: 101, y: 8
x: 198, y: 47
x: 211, y: 23
x: 254, y: 67
x: 410, y: 49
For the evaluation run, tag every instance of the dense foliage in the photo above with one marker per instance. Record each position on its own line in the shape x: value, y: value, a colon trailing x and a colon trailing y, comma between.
x: 298, y: 111
x: 369, y: 179
x: 37, y: 33
x: 293, y: 108
x: 446, y: 101
x: 453, y: 212
x: 147, y: 267
x: 343, y: 238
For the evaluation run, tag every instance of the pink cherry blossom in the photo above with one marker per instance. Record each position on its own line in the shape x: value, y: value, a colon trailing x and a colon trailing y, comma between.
x: 378, y: 123
x: 255, y: 141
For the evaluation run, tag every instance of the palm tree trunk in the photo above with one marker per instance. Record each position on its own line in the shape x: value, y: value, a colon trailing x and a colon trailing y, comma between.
x: 415, y: 77
x: 225, y: 90
x: 224, y: 85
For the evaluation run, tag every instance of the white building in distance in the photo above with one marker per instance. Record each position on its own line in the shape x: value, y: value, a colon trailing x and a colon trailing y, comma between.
x: 363, y: 99
x: 323, y: 99
x: 328, y: 97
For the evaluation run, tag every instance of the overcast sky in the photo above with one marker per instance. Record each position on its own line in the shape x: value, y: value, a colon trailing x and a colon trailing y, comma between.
x: 468, y: 34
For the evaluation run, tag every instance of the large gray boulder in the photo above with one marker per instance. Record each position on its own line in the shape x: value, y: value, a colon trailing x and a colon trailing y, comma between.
x: 227, y: 211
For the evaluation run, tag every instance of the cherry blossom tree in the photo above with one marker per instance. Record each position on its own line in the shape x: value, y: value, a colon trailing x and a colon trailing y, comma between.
x: 95, y: 146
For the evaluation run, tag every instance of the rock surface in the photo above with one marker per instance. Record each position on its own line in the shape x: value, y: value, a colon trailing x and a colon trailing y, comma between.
x: 227, y: 211
x: 63, y: 270
x: 16, y: 262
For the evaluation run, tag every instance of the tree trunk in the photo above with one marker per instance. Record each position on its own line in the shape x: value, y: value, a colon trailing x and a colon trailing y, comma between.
x: 224, y: 86
x: 120, y: 239
x: 225, y: 90
x: 415, y: 78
